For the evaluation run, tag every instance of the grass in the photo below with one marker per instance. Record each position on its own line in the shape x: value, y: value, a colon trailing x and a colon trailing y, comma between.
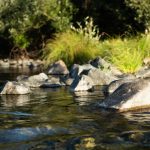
x: 72, y: 48
x: 82, y: 44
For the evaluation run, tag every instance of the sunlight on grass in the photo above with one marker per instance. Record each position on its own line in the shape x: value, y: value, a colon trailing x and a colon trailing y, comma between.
x: 82, y: 44
x: 72, y: 48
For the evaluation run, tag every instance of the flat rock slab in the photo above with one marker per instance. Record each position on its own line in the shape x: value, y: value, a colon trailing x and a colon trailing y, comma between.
x: 129, y: 96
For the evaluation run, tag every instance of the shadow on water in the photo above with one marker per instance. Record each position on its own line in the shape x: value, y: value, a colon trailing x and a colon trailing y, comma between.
x: 56, y: 119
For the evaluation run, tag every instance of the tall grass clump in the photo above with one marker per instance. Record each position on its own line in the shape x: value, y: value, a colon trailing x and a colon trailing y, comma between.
x: 144, y: 45
x: 125, y: 54
x: 76, y: 45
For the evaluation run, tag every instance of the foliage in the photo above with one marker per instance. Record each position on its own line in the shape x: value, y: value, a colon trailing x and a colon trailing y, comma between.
x: 74, y: 46
x: 141, y: 11
x: 116, y: 16
x: 18, y: 17
x: 71, y: 47
x: 127, y: 54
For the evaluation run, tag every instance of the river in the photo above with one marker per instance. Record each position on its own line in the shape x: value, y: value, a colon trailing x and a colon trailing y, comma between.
x: 56, y: 119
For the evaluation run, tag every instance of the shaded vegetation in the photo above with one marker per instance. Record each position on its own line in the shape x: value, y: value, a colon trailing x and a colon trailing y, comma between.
x: 31, y: 28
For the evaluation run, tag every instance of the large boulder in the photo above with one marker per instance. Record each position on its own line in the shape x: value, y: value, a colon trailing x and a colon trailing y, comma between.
x: 33, y: 81
x: 14, y: 88
x: 100, y: 77
x: 82, y: 83
x: 129, y: 96
x: 100, y: 63
x: 76, y: 70
x: 110, y: 88
x: 58, y: 68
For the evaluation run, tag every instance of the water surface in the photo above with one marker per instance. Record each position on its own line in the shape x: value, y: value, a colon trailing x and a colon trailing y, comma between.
x: 56, y: 119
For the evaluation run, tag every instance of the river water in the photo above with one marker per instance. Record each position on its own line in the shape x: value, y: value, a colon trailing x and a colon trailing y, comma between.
x: 56, y: 119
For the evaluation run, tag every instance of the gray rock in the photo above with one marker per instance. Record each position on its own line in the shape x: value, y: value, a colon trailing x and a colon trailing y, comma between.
x: 108, y: 89
x: 105, y: 66
x: 66, y: 80
x: 58, y: 68
x: 33, y: 81
x: 143, y: 73
x: 82, y: 83
x: 14, y: 88
x: 129, y: 96
x: 76, y: 69
x: 52, y: 83
x: 100, y: 78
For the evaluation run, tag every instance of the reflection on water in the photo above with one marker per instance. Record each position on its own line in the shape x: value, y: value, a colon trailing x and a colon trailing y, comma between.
x: 14, y: 100
x: 56, y: 119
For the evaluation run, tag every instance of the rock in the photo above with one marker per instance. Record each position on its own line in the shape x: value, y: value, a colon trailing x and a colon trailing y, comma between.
x: 58, y: 68
x: 33, y: 81
x: 52, y: 83
x: 146, y: 61
x: 100, y: 78
x: 14, y: 88
x: 4, y: 63
x: 82, y: 83
x: 66, y: 80
x: 129, y: 96
x: 105, y: 66
x: 76, y: 69
x: 143, y: 73
x: 21, y: 77
x: 108, y: 89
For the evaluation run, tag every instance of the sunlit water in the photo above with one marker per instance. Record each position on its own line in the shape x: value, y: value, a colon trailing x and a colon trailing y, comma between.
x: 56, y: 119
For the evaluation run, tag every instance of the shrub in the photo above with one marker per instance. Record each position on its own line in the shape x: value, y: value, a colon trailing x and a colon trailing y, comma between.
x: 125, y: 54
x: 71, y: 47
x: 77, y: 45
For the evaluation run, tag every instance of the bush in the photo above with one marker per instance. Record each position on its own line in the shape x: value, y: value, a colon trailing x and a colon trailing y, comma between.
x: 20, y: 17
x: 78, y: 45
x: 71, y: 47
x: 127, y: 54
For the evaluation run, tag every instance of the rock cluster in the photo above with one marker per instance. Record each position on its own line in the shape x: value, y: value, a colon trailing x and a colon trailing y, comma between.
x: 122, y: 92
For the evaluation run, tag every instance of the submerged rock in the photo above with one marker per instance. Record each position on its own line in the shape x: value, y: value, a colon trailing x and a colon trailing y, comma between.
x: 14, y: 88
x: 58, y: 68
x: 129, y: 96
x: 82, y: 83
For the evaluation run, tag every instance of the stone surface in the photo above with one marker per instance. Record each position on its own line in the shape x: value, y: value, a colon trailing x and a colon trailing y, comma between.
x: 100, y: 77
x: 76, y: 69
x: 58, y: 68
x: 52, y: 83
x: 66, y: 80
x: 33, y: 81
x: 100, y: 63
x: 14, y: 88
x: 82, y: 83
x: 110, y: 88
x: 143, y: 73
x: 129, y: 96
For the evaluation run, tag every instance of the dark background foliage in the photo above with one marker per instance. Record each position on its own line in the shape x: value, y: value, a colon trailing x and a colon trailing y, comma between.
x: 28, y: 24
